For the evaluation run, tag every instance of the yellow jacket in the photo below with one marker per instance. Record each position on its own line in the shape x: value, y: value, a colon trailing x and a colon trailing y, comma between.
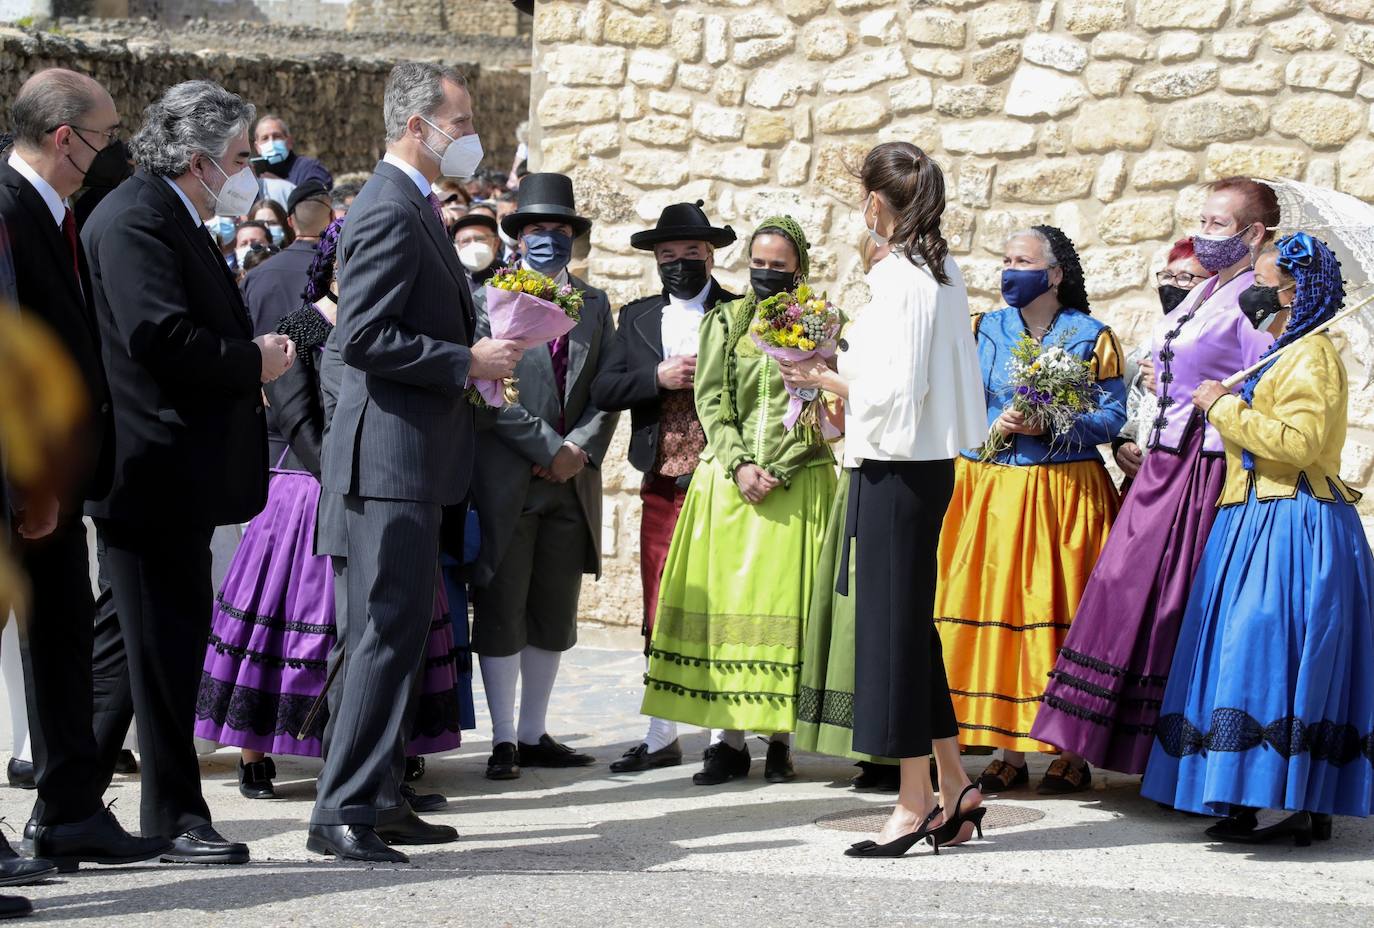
x: 1294, y: 428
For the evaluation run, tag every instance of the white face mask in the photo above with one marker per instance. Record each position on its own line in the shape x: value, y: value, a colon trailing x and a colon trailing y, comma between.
x: 462, y: 156
x: 476, y: 256
x: 238, y: 194
x: 879, y: 240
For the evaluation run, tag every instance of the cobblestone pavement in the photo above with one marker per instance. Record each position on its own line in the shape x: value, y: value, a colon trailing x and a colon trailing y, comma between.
x: 584, y: 847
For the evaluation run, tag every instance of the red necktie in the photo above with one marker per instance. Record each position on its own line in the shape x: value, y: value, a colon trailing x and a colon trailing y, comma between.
x: 69, y: 229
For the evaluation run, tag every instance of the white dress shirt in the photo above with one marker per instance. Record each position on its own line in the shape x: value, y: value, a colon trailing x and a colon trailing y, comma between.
x: 50, y: 198
x: 186, y: 201
x: 915, y: 382
x: 425, y: 187
x: 682, y: 323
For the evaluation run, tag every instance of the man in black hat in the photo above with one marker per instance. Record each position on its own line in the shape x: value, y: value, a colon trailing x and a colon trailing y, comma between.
x: 274, y: 289
x: 650, y: 372
x: 478, y: 244
x: 537, y: 491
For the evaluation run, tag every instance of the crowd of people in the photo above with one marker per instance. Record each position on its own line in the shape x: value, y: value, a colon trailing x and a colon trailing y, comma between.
x: 261, y: 344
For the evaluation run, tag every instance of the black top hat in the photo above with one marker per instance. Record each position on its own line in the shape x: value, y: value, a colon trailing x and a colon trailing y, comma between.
x: 475, y: 219
x: 683, y: 222
x: 545, y: 198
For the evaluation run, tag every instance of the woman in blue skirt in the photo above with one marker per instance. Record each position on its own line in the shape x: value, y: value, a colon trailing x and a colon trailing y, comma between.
x: 1270, y: 702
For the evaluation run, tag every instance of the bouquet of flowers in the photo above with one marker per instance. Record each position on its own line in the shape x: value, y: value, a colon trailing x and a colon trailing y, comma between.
x: 1051, y: 387
x: 797, y: 326
x: 526, y: 307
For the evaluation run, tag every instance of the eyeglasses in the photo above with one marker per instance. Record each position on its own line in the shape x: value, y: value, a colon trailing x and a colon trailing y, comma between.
x: 1181, y: 279
x: 111, y: 135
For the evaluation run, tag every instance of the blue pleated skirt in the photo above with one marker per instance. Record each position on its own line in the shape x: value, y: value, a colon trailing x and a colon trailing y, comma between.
x: 1270, y: 702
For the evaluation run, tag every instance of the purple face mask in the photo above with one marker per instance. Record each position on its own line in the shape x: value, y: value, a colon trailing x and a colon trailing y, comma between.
x: 1217, y: 252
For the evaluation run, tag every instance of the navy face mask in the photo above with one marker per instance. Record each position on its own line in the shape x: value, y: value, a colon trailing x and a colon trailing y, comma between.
x: 1022, y: 288
x: 548, y: 252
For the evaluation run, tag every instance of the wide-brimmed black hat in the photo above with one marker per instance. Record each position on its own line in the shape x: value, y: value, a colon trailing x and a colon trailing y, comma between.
x: 683, y: 222
x: 475, y: 219
x: 545, y: 198
x: 309, y: 190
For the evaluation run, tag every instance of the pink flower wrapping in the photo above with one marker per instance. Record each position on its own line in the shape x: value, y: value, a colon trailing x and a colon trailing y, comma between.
x: 521, y: 318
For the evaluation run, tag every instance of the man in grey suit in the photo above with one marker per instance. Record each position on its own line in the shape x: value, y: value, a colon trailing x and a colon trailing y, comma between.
x: 538, y: 496
x: 399, y: 449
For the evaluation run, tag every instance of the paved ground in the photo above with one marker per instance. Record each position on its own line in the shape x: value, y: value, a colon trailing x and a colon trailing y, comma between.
x: 585, y: 848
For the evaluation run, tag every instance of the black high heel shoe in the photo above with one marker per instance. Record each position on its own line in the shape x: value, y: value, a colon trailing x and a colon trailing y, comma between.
x: 1321, y: 826
x: 896, y: 848
x: 1300, y: 827
x: 950, y: 830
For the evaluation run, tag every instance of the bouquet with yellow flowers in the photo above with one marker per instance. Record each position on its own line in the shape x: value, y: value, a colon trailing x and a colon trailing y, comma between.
x: 526, y: 307
x: 797, y: 326
x: 1051, y: 387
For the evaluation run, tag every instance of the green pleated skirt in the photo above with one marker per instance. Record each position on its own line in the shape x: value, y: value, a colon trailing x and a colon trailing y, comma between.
x: 825, y: 701
x: 726, y: 650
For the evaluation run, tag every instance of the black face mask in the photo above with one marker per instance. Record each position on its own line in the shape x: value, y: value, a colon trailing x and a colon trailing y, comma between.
x: 1260, y: 305
x: 768, y: 282
x: 1170, y: 296
x: 110, y: 166
x: 685, y: 277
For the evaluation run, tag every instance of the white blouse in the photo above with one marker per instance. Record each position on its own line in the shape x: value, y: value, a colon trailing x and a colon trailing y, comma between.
x: 915, y: 383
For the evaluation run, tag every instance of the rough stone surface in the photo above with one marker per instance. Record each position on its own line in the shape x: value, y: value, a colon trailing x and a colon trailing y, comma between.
x: 853, y: 114
x: 1320, y: 120
x: 1356, y: 164
x: 764, y: 130
x: 670, y: 131
x: 921, y: 131
x: 1261, y: 11
x: 825, y: 39
x: 1177, y: 83
x: 1350, y: 9
x: 794, y: 164
x: 967, y: 100
x: 861, y: 71
x: 1125, y: 45
x: 777, y: 87
x: 1162, y: 170
x: 989, y: 137
x: 635, y: 31
x: 1179, y: 46
x: 1359, y: 41
x: 1112, y: 271
x: 1052, y: 180
x: 718, y: 124
x: 1198, y: 122
x: 653, y: 168
x: 1085, y: 17
x: 837, y: 163
x: 911, y: 96
x: 1055, y: 52
x: 1335, y: 73
x: 1115, y: 124
x: 936, y: 27
x: 1252, y: 77
x: 1107, y: 78
x: 1180, y: 14
x: 1004, y: 19
x: 687, y: 35
x: 1300, y: 32
x: 1111, y: 177
x: 1235, y: 46
x: 1137, y: 220
x: 937, y: 63
x: 991, y: 65
x: 1041, y: 92
x: 568, y: 107
x: 744, y: 165
x: 1254, y: 161
x: 651, y: 69
x: 974, y: 185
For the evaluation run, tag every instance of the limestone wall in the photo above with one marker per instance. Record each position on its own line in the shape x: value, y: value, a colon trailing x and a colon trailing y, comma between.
x: 1101, y: 116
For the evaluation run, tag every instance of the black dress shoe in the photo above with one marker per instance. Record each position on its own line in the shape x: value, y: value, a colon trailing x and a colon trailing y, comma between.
x: 641, y: 758
x: 422, y: 802
x: 777, y: 765
x: 20, y: 871
x: 411, y: 829
x: 549, y: 753
x: 504, y: 763
x: 15, y: 907
x: 20, y: 774
x: 125, y: 763
x: 352, y: 842
x: 204, y: 845
x: 722, y: 763
x: 255, y: 779
x: 415, y: 768
x: 883, y: 778
x: 98, y: 840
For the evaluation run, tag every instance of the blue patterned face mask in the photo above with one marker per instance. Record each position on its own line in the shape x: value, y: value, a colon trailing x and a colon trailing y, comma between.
x: 274, y: 151
x: 222, y: 228
x: 547, y: 252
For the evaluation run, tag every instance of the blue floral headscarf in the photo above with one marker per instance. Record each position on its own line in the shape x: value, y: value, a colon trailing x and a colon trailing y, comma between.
x: 1319, y: 295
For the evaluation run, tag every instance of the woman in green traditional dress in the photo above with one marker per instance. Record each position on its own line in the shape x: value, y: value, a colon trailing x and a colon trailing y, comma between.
x: 726, y: 648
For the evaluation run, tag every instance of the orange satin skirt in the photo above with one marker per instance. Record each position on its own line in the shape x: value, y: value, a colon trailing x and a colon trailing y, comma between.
x: 1016, y: 550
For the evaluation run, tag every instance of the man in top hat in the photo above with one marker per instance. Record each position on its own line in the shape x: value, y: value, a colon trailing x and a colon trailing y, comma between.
x: 650, y: 371
x: 537, y: 491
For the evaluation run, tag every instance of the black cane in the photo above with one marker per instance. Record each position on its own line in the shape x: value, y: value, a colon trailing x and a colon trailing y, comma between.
x: 319, y: 702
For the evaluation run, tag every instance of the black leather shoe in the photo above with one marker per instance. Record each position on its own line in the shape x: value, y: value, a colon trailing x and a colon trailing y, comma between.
x: 777, y: 766
x: 411, y: 829
x: 15, y: 907
x: 415, y: 768
x: 20, y: 871
x: 255, y: 779
x: 549, y: 753
x: 882, y: 778
x: 504, y: 763
x: 422, y: 802
x: 125, y: 763
x: 722, y: 763
x: 204, y: 845
x: 352, y: 842
x: 20, y: 774
x: 640, y: 758
x: 98, y: 840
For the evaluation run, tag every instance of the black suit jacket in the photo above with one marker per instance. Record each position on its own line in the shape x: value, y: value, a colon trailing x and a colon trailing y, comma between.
x: 47, y: 288
x: 628, y: 378
x: 190, y: 435
x: 274, y: 289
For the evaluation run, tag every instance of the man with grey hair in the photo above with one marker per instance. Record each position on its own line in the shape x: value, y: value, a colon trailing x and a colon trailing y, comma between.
x: 274, y: 143
x: 62, y: 122
x: 398, y: 450
x: 190, y: 452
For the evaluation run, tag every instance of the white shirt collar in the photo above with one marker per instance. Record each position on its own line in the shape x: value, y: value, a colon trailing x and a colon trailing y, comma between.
x: 424, y: 186
x: 696, y: 303
x: 190, y: 207
x: 45, y: 189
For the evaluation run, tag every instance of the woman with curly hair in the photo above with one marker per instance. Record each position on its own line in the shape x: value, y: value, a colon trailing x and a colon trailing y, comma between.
x: 1270, y: 700
x: 273, y: 628
x: 1026, y: 527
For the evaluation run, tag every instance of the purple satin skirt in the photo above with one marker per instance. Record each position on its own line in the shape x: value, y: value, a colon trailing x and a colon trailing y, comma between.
x: 1105, y: 690
x: 273, y: 629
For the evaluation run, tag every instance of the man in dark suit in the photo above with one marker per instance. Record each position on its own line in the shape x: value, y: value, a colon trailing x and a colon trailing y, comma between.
x: 274, y: 289
x: 538, y: 496
x: 399, y: 448
x: 62, y: 120
x: 650, y: 371
x: 190, y: 442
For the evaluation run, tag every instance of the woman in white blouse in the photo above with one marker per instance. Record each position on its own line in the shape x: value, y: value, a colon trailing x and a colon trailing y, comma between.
x: 912, y: 388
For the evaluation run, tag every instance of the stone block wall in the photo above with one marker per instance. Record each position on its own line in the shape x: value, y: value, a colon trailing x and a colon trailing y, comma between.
x: 456, y: 17
x: 1104, y: 117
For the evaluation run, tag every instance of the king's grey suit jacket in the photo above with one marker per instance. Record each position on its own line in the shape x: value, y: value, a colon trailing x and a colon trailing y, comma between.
x: 402, y: 429
x: 515, y: 437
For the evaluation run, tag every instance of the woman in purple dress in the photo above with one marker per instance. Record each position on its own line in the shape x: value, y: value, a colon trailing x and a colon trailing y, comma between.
x: 1104, y: 692
x: 273, y: 627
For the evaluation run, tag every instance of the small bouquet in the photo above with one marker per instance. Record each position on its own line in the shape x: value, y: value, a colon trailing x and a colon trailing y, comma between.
x: 526, y: 307
x: 1051, y: 387
x: 797, y: 326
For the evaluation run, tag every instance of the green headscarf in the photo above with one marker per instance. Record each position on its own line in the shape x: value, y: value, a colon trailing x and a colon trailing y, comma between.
x: 790, y: 229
